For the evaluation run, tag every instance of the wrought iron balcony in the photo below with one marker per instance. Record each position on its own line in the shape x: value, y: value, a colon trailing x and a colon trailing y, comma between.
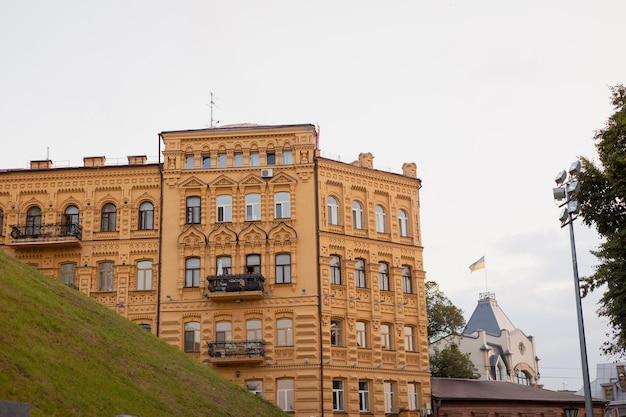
x: 235, y: 287
x: 50, y: 233
x: 247, y: 351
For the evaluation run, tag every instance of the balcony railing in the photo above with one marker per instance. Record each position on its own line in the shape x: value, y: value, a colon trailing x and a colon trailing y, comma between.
x: 47, y: 233
x: 235, y: 287
x: 248, y: 351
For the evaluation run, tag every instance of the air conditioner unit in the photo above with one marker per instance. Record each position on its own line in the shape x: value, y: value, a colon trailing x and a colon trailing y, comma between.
x: 267, y: 173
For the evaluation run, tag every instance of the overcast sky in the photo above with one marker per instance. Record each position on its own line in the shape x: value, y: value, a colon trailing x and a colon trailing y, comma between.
x: 490, y: 98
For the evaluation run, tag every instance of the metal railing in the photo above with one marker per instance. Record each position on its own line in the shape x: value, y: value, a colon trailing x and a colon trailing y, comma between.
x: 239, y: 349
x: 47, y: 231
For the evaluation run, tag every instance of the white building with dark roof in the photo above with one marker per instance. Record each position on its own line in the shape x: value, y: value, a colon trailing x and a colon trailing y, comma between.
x: 499, y: 350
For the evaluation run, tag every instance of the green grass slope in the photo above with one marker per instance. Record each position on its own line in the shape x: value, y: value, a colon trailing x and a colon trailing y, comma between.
x: 67, y: 355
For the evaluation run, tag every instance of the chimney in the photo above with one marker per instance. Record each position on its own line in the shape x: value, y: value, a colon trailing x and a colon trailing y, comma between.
x: 137, y: 160
x: 94, y: 161
x: 43, y: 164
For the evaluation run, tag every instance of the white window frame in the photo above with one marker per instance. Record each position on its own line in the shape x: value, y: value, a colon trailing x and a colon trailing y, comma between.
x: 224, y: 208
x: 333, y: 210
x: 253, y: 207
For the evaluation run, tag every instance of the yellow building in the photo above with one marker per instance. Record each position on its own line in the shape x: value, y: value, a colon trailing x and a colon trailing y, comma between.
x: 294, y: 275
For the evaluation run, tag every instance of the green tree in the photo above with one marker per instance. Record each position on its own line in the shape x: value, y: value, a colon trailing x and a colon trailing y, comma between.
x: 444, y: 318
x: 450, y: 362
x: 603, y: 205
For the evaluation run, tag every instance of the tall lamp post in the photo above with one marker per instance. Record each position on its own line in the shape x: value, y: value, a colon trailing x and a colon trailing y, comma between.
x: 565, y: 195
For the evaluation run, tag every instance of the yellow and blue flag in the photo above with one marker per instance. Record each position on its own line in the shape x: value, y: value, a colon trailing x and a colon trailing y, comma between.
x: 479, y: 264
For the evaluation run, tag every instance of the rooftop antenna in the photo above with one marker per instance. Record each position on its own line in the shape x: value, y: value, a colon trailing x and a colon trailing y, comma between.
x: 211, y: 105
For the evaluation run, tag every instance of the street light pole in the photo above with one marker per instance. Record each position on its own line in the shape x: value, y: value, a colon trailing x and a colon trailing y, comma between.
x: 565, y: 194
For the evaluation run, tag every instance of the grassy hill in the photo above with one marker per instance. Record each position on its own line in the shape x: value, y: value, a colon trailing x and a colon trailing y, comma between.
x: 67, y: 355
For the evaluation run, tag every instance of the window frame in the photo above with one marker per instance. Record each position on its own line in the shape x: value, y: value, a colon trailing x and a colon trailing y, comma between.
x: 364, y: 396
x: 357, y: 215
x: 191, y: 338
x: 106, y: 276
x: 189, y: 162
x: 361, y: 334
x: 409, y: 339
x: 386, y: 336
x: 282, y: 205
x: 283, y: 270
x: 332, y: 205
x: 68, y: 274
x: 254, y: 333
x: 33, y: 221
x: 287, y: 157
x: 403, y: 223
x: 284, y: 332
x: 381, y: 219
x: 360, y: 276
x: 253, y: 263
x: 383, y: 276
x: 144, y: 275
x: 338, y: 395
x: 193, y: 207
x: 108, y: 218
x: 224, y: 207
x: 335, y: 270
x: 336, y: 333
x: 407, y: 280
x: 192, y: 272
x: 254, y: 159
x: 285, y: 389
x: 412, y: 390
x: 253, y: 207
x: 226, y: 269
x: 389, y: 393
x: 146, y: 216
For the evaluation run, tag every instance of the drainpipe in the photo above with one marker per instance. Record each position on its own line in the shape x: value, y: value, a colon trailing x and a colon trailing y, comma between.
x: 160, y: 237
x: 319, y: 282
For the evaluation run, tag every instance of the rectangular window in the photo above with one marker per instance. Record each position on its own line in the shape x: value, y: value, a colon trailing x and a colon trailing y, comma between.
x: 271, y: 158
x: 361, y: 334
x: 68, y: 275
x: 385, y: 336
x: 192, y: 272
x: 253, y: 264
x: 287, y: 158
x: 338, y: 395
x: 335, y: 333
x: 224, y: 208
x: 359, y: 273
x: 409, y: 339
x: 413, y: 397
x: 383, y: 276
x: 284, y: 332
x: 389, y: 397
x: 282, y: 205
x: 283, y: 268
x: 253, y: 207
x: 284, y: 394
x: 206, y: 161
x: 255, y: 161
x: 222, y: 160
x: 193, y: 210
x: 238, y: 160
x: 407, y: 286
x: 105, y: 272
x: 190, y: 162
x: 335, y: 270
x: 364, y: 396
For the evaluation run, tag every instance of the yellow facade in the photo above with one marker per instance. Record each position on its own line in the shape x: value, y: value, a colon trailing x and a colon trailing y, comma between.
x: 296, y: 276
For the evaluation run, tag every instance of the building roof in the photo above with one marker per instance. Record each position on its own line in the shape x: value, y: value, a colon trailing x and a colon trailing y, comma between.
x: 488, y: 316
x: 456, y: 389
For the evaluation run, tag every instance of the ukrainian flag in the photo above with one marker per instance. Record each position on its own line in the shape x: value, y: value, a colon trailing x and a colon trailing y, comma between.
x: 479, y: 264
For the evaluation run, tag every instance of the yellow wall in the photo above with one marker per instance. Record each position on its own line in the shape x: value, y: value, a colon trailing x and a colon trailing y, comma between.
x: 310, y: 300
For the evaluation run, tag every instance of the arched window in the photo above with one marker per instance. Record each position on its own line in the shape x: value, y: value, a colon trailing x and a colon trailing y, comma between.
x: 357, y: 215
x: 33, y: 221
x: 283, y: 268
x: 192, y: 272
x: 107, y: 222
x: 523, y: 378
x: 146, y: 216
x: 253, y: 207
x: 381, y: 219
x: 193, y: 210
x: 335, y: 270
x: 359, y: 273
x: 144, y: 275
x: 333, y: 210
x: 70, y: 221
x: 403, y: 223
x: 192, y: 336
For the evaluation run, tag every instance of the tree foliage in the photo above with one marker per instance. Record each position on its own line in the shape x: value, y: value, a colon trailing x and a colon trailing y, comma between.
x: 452, y: 363
x: 603, y: 206
x: 444, y: 318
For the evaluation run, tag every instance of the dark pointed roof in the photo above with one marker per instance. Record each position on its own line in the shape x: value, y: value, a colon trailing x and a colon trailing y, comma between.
x: 488, y: 316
